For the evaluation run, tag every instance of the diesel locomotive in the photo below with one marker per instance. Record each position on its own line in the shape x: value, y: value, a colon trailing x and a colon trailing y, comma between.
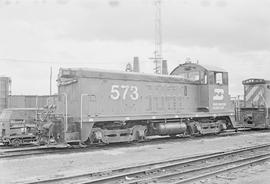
x: 100, y: 106
x: 255, y: 110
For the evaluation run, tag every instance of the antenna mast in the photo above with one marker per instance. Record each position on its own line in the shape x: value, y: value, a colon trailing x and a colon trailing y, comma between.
x: 158, y: 38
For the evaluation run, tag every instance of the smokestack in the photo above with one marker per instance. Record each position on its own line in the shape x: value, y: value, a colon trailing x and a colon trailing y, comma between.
x: 164, y: 67
x: 128, y: 68
x: 136, y: 66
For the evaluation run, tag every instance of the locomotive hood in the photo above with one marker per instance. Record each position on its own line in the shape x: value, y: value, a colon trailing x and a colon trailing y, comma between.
x: 256, y: 92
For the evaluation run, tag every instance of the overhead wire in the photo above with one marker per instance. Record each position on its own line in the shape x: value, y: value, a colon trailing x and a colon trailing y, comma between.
x: 14, y: 60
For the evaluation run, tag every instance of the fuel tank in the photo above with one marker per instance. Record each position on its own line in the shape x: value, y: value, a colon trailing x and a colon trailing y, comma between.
x: 170, y: 128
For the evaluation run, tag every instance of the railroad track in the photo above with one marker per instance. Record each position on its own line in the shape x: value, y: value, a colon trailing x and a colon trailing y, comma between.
x: 181, y: 170
x: 10, y: 152
x: 32, y: 151
x: 14, y: 153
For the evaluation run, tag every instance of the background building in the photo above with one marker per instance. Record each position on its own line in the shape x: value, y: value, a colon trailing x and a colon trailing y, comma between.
x: 5, y: 91
x: 21, y: 101
x: 30, y: 101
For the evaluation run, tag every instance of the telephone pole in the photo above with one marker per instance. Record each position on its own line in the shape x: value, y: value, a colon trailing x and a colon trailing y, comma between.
x: 158, y: 38
x: 50, y: 81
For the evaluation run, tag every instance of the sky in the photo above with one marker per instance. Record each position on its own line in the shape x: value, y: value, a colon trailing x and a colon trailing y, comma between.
x: 38, y: 34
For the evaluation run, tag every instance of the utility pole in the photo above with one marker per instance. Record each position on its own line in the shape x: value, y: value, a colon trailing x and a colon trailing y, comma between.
x: 51, y: 81
x: 158, y: 38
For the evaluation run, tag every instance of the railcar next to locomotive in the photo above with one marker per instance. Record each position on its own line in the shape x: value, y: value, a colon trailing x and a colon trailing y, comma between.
x: 19, y: 125
x: 255, y: 112
x: 104, y: 106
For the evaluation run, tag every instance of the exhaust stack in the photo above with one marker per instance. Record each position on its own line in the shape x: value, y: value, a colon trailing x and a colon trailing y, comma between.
x: 136, y: 66
x: 164, y: 67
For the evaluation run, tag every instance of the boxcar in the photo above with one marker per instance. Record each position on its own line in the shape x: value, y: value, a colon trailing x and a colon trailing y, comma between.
x: 105, y: 106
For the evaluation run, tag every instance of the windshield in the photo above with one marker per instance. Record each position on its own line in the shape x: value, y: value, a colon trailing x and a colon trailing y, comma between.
x: 195, y: 76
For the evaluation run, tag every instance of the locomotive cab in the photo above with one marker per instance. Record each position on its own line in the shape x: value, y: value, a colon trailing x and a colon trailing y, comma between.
x: 212, y: 86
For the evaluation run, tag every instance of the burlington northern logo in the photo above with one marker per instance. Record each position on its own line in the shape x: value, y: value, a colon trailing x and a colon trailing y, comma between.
x: 219, y: 94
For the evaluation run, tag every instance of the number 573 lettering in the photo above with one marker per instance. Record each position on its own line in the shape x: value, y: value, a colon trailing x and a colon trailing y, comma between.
x: 122, y: 91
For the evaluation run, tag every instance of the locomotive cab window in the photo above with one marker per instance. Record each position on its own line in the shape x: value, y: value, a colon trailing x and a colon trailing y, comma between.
x: 195, y: 76
x: 219, y: 78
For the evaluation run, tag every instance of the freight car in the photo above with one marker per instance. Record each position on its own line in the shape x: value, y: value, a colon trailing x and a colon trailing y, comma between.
x: 101, y: 106
x: 255, y: 113
x: 18, y: 126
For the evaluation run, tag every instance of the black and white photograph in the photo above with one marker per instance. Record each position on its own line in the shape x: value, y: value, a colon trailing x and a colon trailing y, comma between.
x: 134, y: 91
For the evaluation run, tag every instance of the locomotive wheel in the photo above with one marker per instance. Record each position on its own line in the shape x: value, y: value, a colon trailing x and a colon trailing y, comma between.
x: 138, y: 138
x: 139, y: 134
x: 88, y: 141
x: 16, y: 142
x: 143, y: 138
x: 189, y: 131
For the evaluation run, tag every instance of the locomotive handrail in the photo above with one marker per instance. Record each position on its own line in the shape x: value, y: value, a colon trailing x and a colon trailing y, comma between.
x: 82, y: 95
x: 66, y: 114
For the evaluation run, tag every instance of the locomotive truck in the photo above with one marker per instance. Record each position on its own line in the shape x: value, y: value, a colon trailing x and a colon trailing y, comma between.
x: 100, y: 106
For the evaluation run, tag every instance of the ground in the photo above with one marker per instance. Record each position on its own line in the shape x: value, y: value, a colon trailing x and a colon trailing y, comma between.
x: 258, y: 174
x: 33, y: 168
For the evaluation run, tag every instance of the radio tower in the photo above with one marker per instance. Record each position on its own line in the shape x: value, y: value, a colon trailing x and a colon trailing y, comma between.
x: 158, y: 38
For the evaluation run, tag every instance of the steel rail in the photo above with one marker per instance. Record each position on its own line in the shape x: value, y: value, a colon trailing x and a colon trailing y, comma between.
x: 28, y: 153
x: 125, y: 170
x: 18, y: 152
x: 244, y: 161
x: 129, y: 172
x: 256, y: 161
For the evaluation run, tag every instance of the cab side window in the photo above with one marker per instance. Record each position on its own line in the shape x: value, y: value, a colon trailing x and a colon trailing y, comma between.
x: 218, y: 78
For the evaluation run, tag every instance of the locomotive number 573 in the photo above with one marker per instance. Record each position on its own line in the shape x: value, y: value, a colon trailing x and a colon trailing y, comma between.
x: 122, y: 91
